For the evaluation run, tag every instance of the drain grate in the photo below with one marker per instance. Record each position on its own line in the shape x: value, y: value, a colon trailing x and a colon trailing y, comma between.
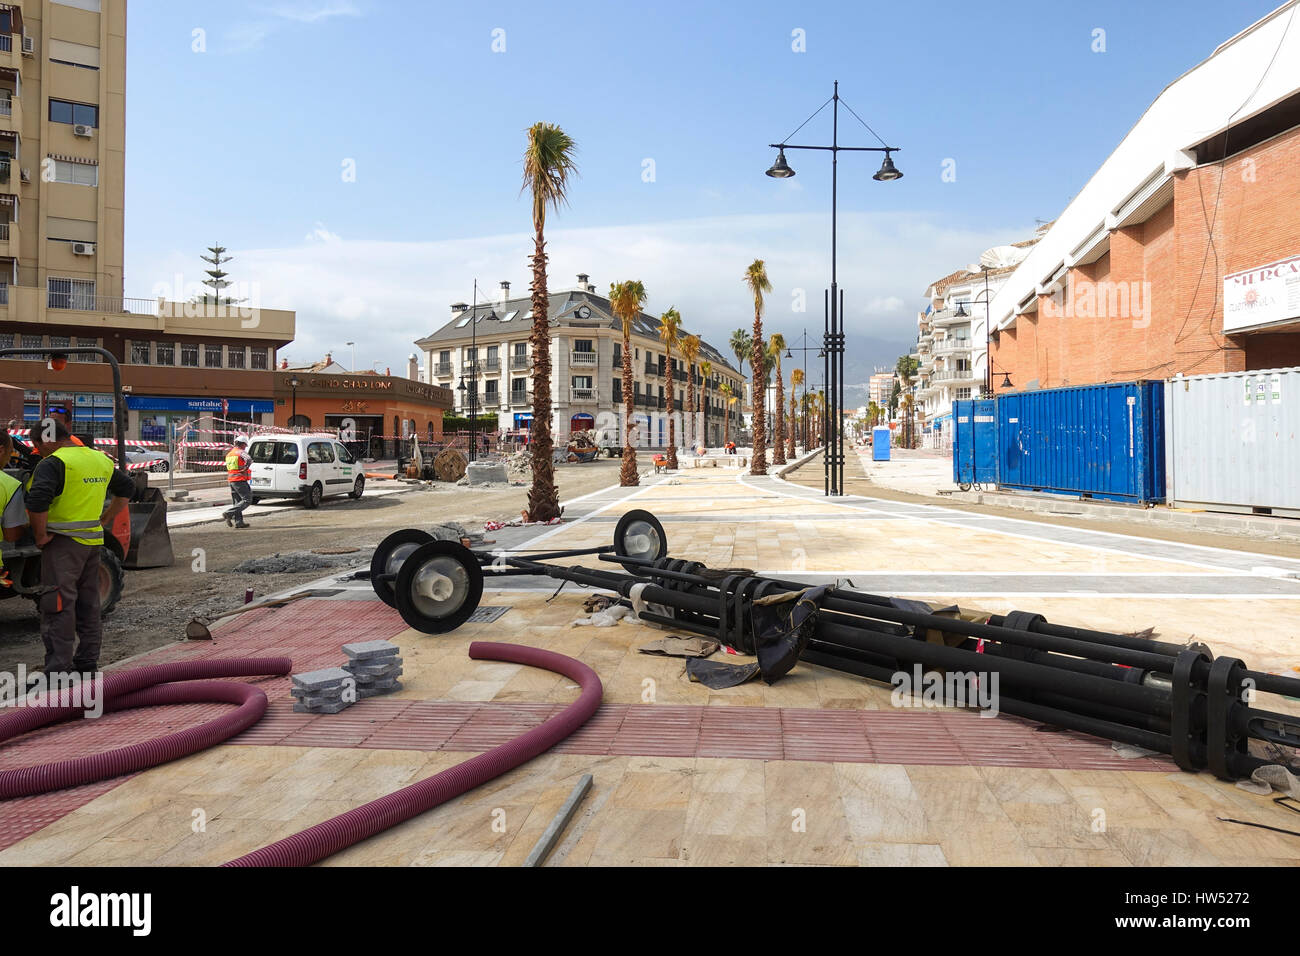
x: 486, y: 615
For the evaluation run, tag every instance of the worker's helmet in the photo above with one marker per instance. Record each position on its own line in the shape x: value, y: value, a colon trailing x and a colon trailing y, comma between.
x: 241, y: 440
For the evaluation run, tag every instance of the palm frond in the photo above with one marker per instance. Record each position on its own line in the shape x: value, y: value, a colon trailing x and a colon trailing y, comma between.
x: 548, y: 166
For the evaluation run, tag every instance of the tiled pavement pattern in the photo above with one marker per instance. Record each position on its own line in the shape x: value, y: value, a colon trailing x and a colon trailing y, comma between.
x: 817, y: 769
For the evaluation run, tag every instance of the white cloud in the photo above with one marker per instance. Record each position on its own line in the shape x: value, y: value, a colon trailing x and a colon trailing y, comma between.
x: 385, y: 294
x: 252, y: 34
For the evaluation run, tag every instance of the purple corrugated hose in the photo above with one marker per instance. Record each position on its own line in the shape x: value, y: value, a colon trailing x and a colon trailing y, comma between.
x: 325, y: 839
x: 139, y: 687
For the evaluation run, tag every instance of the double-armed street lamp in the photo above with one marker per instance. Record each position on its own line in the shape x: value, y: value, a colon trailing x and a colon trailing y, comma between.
x: 805, y: 349
x: 473, y: 371
x: 833, y: 336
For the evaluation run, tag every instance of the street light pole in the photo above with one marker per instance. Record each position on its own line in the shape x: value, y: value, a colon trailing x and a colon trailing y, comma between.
x: 833, y: 334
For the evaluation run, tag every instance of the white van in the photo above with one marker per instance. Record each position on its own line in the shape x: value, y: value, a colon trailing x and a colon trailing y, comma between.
x: 303, y: 466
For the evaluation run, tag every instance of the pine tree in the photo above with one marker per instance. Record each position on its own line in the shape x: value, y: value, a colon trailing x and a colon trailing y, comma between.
x: 217, y: 278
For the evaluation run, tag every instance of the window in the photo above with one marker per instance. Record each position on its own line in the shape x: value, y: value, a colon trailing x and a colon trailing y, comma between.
x: 234, y: 357
x: 257, y: 358
x: 79, y: 174
x: 32, y: 342
x: 963, y: 393
x: 491, y: 390
x: 212, y: 356
x: 189, y: 355
x: 319, y: 453
x: 165, y: 353
x: 78, y: 114
x: 618, y: 353
x: 87, y: 344
x: 70, y: 293
x: 139, y: 353
x: 91, y: 5
x: 582, y: 381
x: 274, y: 452
x: 6, y: 340
x: 345, y: 456
x: 583, y: 345
x: 618, y: 390
x: 60, y: 342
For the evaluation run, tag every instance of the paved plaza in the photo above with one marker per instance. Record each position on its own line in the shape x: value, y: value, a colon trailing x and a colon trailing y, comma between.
x: 819, y: 768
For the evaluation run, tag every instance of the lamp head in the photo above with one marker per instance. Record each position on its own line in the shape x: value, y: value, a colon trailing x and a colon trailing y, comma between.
x: 780, y: 169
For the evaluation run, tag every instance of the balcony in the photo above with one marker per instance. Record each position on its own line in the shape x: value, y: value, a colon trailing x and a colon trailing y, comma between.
x: 76, y: 300
x: 582, y: 394
x: 521, y: 397
x: 9, y: 235
x: 948, y: 376
x: 11, y: 114
x: 947, y: 317
x: 949, y: 346
x: 442, y: 369
x: 583, y: 358
x: 492, y: 365
x: 518, y: 362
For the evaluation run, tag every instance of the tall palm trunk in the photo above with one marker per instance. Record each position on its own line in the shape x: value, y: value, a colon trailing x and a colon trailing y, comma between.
x: 778, y: 435
x: 672, y: 425
x: 726, y: 423
x: 627, y: 475
x: 690, y: 407
x: 793, y: 424
x: 543, y: 496
x: 758, y: 466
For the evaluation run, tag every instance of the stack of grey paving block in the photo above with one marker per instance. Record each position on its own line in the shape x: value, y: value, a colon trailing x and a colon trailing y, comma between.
x: 322, y: 691
x: 375, y: 666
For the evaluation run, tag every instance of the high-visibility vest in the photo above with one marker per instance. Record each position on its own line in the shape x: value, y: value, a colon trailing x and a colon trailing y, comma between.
x: 8, y: 485
x: 239, y: 467
x: 76, y: 512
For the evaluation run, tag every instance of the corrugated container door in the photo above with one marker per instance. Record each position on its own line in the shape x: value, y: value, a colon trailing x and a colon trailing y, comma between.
x: 984, y: 423
x: 963, y: 445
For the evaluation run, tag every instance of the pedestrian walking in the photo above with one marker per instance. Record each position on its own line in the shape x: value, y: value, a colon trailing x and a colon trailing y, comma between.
x: 65, y: 503
x: 239, y: 473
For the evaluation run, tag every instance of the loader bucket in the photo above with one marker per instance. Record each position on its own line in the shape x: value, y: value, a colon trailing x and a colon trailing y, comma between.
x: 151, y: 543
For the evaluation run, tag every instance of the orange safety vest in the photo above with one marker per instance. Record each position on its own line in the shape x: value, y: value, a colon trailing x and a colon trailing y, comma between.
x: 239, y: 467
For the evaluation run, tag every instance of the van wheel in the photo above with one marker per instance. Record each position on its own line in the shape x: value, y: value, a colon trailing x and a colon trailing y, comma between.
x: 111, y: 580
x: 358, y: 487
x: 312, y: 498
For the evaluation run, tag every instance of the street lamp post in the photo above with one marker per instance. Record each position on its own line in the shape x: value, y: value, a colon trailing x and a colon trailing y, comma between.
x: 833, y: 336
x: 354, y: 354
x: 294, y: 382
x: 473, y: 370
x: 805, y: 349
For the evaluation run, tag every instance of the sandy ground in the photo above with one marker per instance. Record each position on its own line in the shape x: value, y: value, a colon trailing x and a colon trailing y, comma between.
x: 157, y: 603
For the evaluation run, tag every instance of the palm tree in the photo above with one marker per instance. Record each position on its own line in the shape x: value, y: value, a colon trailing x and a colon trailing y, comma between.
x: 548, y: 164
x: 756, y: 279
x: 706, y: 369
x: 670, y: 327
x: 796, y: 379
x: 626, y: 299
x: 726, y: 411
x: 775, y: 346
x: 690, y: 351
x: 741, y: 346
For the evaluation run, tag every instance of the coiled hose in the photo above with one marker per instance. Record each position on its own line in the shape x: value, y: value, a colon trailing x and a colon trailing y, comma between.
x: 188, y: 682
x: 324, y: 839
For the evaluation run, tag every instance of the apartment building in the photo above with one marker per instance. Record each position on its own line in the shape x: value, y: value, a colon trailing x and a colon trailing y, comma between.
x: 62, y: 175
x: 483, y: 355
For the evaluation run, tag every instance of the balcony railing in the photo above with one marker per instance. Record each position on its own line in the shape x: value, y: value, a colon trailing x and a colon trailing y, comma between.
x: 954, y: 375
x: 4, y: 232
x: 6, y: 43
x: 84, y: 302
x: 442, y: 368
x: 6, y: 107
x: 492, y: 365
x: 518, y: 397
x: 582, y: 358
x: 519, y: 361
x: 582, y: 394
x: 952, y: 345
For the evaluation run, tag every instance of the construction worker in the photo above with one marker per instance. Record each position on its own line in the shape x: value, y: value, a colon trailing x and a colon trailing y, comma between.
x: 60, y: 414
x: 239, y: 472
x: 13, y: 502
x: 65, y: 503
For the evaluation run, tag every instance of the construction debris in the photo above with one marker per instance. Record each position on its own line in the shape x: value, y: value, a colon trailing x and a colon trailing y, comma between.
x: 450, y: 464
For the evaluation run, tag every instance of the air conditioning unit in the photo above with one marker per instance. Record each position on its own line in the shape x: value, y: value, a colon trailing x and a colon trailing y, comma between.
x: 27, y: 174
x: 83, y: 248
x: 82, y: 129
x: 29, y: 46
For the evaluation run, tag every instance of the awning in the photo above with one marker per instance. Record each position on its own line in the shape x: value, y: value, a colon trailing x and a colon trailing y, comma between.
x: 65, y: 158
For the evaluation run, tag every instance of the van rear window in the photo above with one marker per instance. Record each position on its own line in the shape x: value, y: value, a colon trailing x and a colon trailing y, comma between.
x: 273, y: 452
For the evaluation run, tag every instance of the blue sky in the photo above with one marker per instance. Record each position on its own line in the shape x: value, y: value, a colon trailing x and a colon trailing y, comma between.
x: 247, y: 141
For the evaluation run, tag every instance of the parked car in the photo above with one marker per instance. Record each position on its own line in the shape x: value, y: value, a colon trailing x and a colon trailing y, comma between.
x: 158, y: 458
x: 308, y: 467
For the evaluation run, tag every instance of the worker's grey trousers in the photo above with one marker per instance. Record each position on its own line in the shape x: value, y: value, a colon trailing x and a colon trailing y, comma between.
x: 241, y: 493
x: 69, y: 602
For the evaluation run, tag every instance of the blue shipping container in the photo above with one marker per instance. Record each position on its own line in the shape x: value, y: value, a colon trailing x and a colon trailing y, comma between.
x: 1093, y: 441
x: 880, y: 443
x: 974, y: 448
